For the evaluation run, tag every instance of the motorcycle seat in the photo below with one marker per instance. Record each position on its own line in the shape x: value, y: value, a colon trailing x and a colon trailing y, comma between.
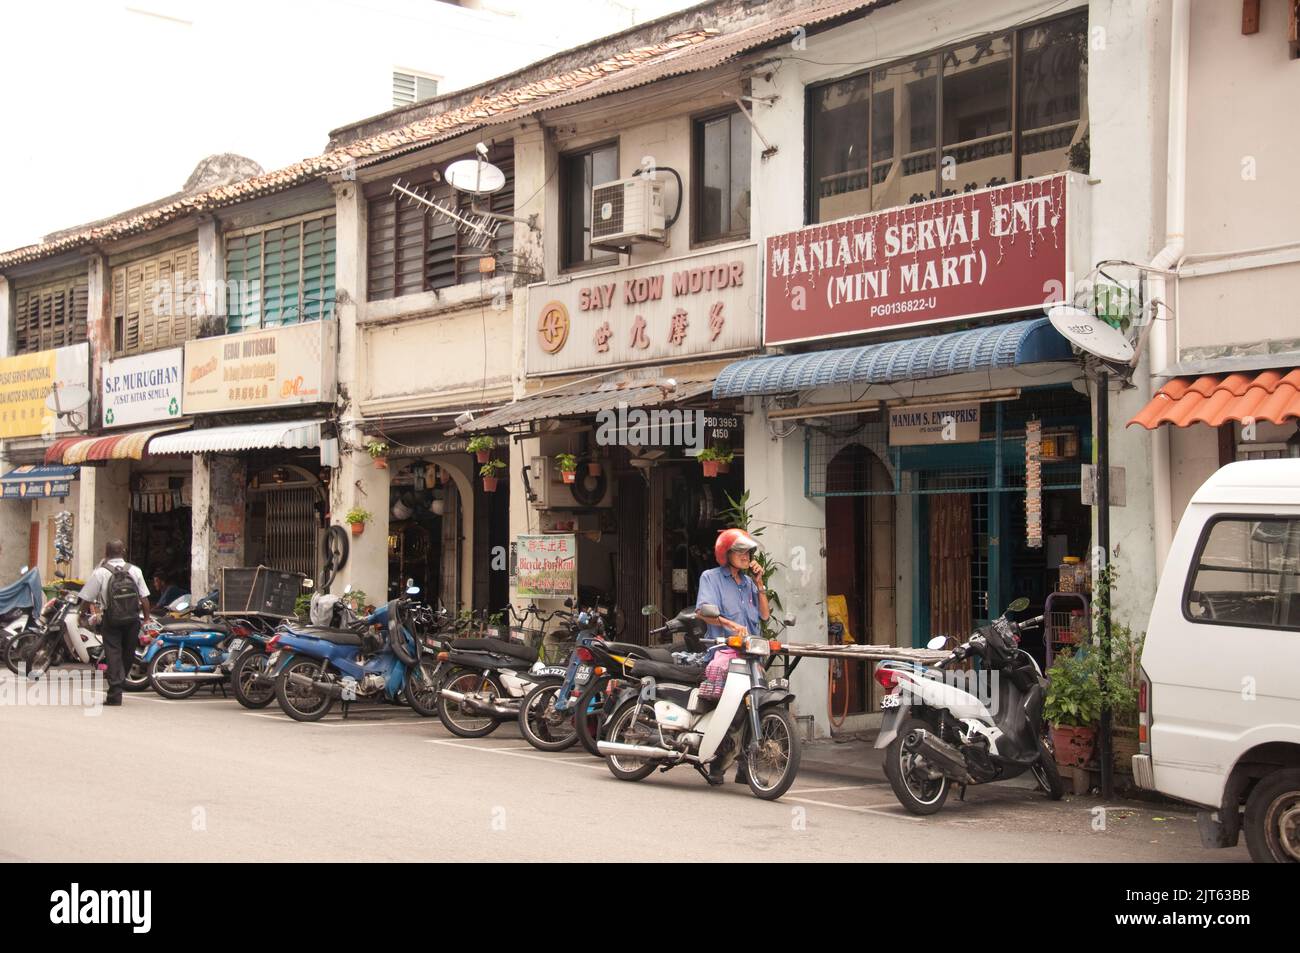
x: 183, y: 628
x: 668, y: 671
x: 660, y: 653
x: 337, y: 636
x: 496, y: 647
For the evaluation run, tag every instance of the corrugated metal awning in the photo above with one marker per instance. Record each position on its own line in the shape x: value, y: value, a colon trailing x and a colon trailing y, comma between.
x: 131, y: 445
x: 1215, y: 399
x: 937, y: 355
x: 288, y: 435
x: 584, y: 400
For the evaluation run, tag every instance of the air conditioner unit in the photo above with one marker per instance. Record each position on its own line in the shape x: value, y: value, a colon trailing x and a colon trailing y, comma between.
x: 626, y: 212
x: 552, y: 493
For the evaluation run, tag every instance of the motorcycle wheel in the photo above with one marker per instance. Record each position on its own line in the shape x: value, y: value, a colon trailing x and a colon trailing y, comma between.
x: 302, y: 704
x: 776, y: 762
x: 918, y: 796
x: 621, y: 725
x: 243, y: 680
x: 538, y: 722
x: 17, y: 651
x: 40, y: 659
x: 167, y: 660
x: 588, y: 721
x: 137, y: 678
x: 421, y: 688
x: 1046, y: 773
x: 460, y: 721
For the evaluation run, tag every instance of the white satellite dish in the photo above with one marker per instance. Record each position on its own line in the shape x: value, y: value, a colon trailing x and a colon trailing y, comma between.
x: 65, y: 398
x: 475, y: 176
x: 1090, y: 333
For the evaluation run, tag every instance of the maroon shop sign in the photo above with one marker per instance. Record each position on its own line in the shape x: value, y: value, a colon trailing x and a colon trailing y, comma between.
x: 987, y: 252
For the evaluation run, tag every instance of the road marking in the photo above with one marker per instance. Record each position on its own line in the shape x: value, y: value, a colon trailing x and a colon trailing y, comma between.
x: 855, y: 808
x: 846, y: 787
x: 516, y: 753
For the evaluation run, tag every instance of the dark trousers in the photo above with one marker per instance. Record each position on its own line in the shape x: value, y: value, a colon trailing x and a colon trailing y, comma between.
x: 120, y: 642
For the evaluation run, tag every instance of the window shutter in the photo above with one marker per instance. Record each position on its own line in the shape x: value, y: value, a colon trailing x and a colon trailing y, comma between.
x: 153, y: 303
x: 50, y: 315
x: 381, y: 251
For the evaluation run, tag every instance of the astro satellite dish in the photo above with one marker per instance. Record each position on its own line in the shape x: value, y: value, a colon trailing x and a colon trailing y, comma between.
x: 475, y: 176
x: 65, y: 398
x: 1091, y: 334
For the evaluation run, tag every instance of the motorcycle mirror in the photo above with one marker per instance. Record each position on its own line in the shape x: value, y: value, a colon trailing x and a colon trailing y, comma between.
x: 568, y: 603
x: 708, y: 611
x: 649, y: 610
x: 1020, y: 605
x: 412, y: 590
x: 936, y: 643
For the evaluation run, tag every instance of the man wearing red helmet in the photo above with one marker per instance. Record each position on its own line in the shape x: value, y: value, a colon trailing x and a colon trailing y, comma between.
x: 736, y: 586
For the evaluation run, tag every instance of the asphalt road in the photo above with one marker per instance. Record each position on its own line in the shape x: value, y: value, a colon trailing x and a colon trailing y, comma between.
x: 204, y: 779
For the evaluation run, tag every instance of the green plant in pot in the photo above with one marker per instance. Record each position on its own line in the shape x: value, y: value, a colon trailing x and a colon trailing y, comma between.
x: 1073, y: 705
x: 1121, y: 676
x: 378, y: 451
x: 357, y: 518
x: 568, y: 466
x: 711, y: 458
x: 481, y: 447
x: 491, y: 474
x: 740, y: 514
x: 725, y: 456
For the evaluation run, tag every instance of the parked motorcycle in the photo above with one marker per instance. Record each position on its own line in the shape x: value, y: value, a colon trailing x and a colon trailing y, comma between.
x: 936, y: 733
x: 486, y: 681
x: 57, y: 637
x: 22, y: 600
x: 315, y: 666
x: 666, y: 722
x: 546, y: 712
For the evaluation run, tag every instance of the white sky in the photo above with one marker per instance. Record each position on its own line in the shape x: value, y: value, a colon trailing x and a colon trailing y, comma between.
x: 111, y: 104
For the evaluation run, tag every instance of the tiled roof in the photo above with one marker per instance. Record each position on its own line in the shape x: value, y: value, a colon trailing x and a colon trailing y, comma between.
x: 1215, y: 399
x: 682, y: 53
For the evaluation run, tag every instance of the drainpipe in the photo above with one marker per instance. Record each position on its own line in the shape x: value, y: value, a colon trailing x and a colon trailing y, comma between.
x: 1166, y: 260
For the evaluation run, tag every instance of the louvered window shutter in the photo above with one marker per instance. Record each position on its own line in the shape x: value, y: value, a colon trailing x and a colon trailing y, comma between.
x: 155, y: 301
x: 51, y: 315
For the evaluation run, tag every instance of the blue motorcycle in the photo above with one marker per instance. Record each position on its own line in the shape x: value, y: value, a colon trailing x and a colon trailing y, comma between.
x: 315, y: 666
x: 547, y: 713
x: 187, y: 654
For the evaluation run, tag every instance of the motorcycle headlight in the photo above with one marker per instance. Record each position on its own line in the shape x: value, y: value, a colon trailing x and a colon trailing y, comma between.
x: 757, y: 646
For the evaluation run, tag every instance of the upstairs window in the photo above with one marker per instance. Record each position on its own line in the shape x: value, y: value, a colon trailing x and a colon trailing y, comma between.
x: 409, y: 88
x: 281, y: 274
x: 156, y: 301
x: 580, y: 172
x: 50, y: 315
x: 720, y: 177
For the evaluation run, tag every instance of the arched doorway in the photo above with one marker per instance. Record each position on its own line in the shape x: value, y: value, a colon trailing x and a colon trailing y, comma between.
x: 860, y: 546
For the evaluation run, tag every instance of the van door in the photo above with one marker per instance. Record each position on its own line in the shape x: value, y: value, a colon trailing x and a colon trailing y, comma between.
x: 1224, y: 649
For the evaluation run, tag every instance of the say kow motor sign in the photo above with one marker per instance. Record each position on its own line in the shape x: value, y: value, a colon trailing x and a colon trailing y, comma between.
x: 987, y: 252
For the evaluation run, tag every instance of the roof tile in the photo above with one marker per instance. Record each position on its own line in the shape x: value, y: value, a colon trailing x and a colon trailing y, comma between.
x: 1215, y: 399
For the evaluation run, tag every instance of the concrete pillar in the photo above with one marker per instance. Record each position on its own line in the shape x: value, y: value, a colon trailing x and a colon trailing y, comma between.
x: 218, y: 513
x: 99, y: 327
x: 212, y: 276
x: 102, y: 513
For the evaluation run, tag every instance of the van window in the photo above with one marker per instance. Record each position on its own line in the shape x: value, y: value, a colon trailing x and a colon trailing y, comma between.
x: 1247, y: 573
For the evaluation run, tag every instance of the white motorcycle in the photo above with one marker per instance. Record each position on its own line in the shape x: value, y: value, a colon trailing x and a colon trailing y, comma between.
x: 665, y: 722
x: 935, y: 732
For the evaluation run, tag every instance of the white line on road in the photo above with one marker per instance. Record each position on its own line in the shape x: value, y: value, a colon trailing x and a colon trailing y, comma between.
x: 516, y: 753
x: 846, y: 787
x: 855, y: 808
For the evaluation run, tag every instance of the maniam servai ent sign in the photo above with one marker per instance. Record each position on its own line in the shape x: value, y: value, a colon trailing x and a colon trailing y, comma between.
x: 992, y: 251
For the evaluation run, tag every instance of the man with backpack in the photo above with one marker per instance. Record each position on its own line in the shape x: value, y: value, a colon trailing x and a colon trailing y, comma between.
x: 118, y: 588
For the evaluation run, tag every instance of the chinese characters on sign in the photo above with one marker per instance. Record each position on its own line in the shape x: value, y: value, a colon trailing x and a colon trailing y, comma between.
x: 696, y: 306
x: 991, y: 251
x: 547, y: 566
x: 287, y: 365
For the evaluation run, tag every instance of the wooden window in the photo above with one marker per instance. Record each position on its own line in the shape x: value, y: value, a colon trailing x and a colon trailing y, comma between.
x: 50, y: 315
x: 156, y: 301
x: 720, y: 178
x: 579, y: 173
x: 410, y: 250
x: 282, y: 274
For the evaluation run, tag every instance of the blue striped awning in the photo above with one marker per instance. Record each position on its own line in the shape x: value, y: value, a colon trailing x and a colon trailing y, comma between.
x: 937, y: 355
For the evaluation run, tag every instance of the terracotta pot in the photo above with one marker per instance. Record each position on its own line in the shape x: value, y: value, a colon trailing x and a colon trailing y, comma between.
x: 593, y: 469
x: 569, y: 476
x: 490, y: 484
x: 710, y: 467
x: 381, y: 463
x: 483, y: 456
x: 1075, y: 746
x: 724, y: 466
x: 358, y: 528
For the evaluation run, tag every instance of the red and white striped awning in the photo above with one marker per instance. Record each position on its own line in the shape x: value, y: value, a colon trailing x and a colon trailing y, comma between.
x: 131, y: 445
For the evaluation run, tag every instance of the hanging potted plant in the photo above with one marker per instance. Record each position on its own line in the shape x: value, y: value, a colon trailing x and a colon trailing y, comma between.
x: 568, y: 465
x: 481, y: 447
x: 594, y: 467
x: 491, y: 473
x: 1073, y: 706
x: 709, y: 460
x: 725, y: 457
x: 378, y: 451
x: 357, y: 519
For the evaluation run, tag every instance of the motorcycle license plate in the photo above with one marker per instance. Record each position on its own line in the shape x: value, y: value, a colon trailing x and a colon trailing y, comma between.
x: 583, y: 675
x: 236, y: 645
x: 891, y: 701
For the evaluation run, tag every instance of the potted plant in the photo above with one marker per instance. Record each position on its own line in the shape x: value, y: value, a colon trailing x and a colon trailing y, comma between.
x: 1073, y: 706
x: 568, y: 465
x: 481, y: 447
x: 378, y: 451
x: 594, y: 467
x: 355, y: 600
x: 491, y: 473
x: 357, y: 519
x: 1120, y: 687
x: 709, y: 460
x: 725, y: 456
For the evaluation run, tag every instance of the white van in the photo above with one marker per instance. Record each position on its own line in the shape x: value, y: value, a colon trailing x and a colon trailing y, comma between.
x: 1220, y: 697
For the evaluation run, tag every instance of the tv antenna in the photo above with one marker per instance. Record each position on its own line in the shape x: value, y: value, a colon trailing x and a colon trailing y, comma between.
x: 480, y: 228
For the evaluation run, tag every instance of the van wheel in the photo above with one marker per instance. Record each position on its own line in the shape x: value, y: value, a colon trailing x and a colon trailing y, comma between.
x: 1273, y: 819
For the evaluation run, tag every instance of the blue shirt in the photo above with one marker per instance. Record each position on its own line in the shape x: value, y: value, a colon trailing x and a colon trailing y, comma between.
x: 738, y: 601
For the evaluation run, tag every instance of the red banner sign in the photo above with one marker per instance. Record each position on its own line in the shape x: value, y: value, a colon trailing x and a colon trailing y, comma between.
x: 987, y: 252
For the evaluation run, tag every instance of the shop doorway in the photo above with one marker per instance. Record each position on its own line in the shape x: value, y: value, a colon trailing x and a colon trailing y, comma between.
x: 160, y: 529
x: 284, y: 520
x: 424, y: 533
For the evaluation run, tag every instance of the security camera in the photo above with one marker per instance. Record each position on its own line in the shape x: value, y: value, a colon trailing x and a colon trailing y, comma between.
x: 463, y: 419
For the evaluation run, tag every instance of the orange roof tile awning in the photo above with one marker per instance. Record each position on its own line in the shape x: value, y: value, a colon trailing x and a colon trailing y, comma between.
x: 132, y: 445
x: 1215, y: 399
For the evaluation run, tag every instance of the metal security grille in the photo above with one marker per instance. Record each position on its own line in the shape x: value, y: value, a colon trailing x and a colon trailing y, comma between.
x: 449, y: 583
x: 291, y: 531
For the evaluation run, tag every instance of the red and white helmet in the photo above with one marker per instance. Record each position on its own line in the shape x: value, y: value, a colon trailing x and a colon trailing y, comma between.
x: 733, y: 540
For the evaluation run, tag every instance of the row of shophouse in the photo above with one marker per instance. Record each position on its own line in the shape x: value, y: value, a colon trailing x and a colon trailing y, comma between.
x: 835, y: 222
